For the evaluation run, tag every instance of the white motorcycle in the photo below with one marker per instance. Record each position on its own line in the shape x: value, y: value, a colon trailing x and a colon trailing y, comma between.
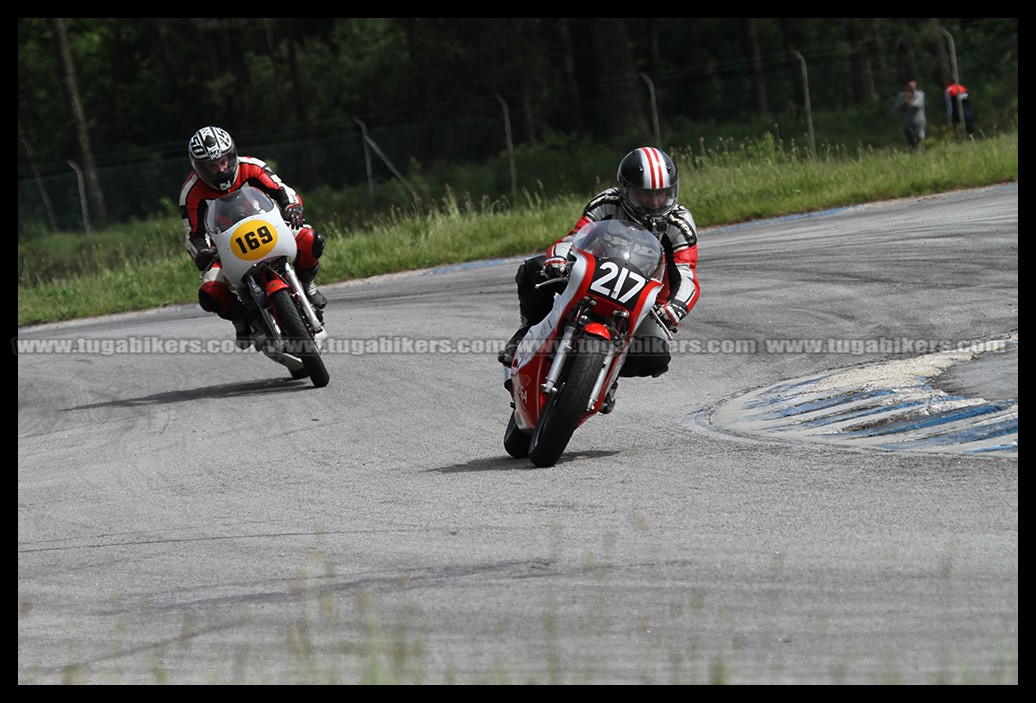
x: 256, y: 250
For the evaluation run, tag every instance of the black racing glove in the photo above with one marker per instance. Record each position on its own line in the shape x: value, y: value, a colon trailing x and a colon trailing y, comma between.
x: 293, y: 215
x: 204, y: 258
x: 671, y: 313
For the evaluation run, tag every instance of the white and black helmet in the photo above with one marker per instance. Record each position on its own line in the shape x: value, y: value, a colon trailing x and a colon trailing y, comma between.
x: 213, y: 157
x: 649, y: 183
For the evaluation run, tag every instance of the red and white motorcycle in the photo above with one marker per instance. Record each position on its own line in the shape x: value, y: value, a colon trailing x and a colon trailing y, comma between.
x: 565, y: 365
x: 256, y: 250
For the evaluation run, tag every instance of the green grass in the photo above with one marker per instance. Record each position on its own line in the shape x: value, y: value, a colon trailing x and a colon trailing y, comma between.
x: 340, y: 636
x: 142, y: 265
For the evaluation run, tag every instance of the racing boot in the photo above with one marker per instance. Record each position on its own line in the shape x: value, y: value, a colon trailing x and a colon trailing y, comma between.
x: 242, y: 329
x: 506, y: 356
x: 307, y: 278
x: 609, y: 399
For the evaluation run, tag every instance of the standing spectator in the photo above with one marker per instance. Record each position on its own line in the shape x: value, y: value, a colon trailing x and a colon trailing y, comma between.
x: 958, y: 101
x: 911, y: 104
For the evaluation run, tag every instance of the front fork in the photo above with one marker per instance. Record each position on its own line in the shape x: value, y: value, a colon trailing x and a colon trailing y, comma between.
x: 261, y: 299
x: 263, y: 305
x: 602, y: 376
x: 619, y: 329
x: 307, y: 307
x: 565, y: 346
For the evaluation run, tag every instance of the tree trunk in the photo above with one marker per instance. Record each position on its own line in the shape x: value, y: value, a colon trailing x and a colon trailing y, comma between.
x: 95, y: 198
x: 752, y: 51
x: 39, y: 181
x: 881, y: 51
x: 621, y: 96
x: 699, y: 70
x: 788, y: 35
x: 653, y: 56
x: 298, y: 102
x: 574, y: 111
x: 863, y: 77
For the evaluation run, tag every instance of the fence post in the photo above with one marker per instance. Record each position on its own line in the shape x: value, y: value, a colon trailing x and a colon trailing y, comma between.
x: 510, y: 144
x: 367, y: 162
x: 82, y: 197
x: 367, y: 140
x: 808, y: 105
x: 956, y: 79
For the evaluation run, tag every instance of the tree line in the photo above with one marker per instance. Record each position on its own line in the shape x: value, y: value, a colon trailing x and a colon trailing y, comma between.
x: 95, y: 91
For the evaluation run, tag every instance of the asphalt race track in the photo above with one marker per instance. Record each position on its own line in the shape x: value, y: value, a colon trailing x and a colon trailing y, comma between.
x: 189, y: 514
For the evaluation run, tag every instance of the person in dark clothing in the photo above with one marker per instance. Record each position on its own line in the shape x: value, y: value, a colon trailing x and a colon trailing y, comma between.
x: 958, y: 102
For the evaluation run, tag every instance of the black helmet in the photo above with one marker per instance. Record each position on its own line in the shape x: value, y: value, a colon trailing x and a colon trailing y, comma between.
x: 213, y: 157
x: 649, y: 184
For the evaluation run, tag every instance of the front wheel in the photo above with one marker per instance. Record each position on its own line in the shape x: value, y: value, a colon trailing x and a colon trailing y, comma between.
x: 567, y: 404
x: 516, y: 441
x: 298, y: 339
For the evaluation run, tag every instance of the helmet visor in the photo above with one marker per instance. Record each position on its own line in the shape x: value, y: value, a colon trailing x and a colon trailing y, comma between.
x: 218, y: 166
x: 654, y: 201
x: 218, y: 172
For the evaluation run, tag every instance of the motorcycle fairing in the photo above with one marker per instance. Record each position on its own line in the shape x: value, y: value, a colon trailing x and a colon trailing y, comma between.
x: 247, y: 227
x: 536, y: 348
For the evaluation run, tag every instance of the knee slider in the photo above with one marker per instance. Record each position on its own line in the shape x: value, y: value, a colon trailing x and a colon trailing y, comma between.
x: 310, y: 247
x: 215, y: 296
x: 207, y: 302
x: 648, y: 356
x: 318, y: 244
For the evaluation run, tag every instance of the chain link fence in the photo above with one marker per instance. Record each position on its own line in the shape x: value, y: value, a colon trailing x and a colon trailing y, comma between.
x: 821, y: 97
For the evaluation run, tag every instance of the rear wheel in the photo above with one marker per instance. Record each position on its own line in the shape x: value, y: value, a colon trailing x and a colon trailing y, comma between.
x: 567, y: 405
x: 297, y: 338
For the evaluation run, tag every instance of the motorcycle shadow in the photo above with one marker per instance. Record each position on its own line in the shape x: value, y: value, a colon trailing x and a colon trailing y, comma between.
x: 508, y: 463
x: 224, y: 390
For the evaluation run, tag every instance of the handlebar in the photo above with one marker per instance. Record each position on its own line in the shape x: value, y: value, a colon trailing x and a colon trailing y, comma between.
x: 662, y: 324
x: 552, y: 281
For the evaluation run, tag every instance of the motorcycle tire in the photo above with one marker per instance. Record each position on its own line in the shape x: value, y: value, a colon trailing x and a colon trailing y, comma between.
x: 516, y: 441
x: 567, y: 405
x: 298, y: 337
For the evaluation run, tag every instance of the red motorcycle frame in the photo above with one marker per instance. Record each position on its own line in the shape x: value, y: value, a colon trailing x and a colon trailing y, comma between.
x: 565, y: 365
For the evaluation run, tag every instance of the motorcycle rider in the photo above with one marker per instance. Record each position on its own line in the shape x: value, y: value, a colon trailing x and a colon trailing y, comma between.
x: 216, y: 169
x: 647, y: 192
